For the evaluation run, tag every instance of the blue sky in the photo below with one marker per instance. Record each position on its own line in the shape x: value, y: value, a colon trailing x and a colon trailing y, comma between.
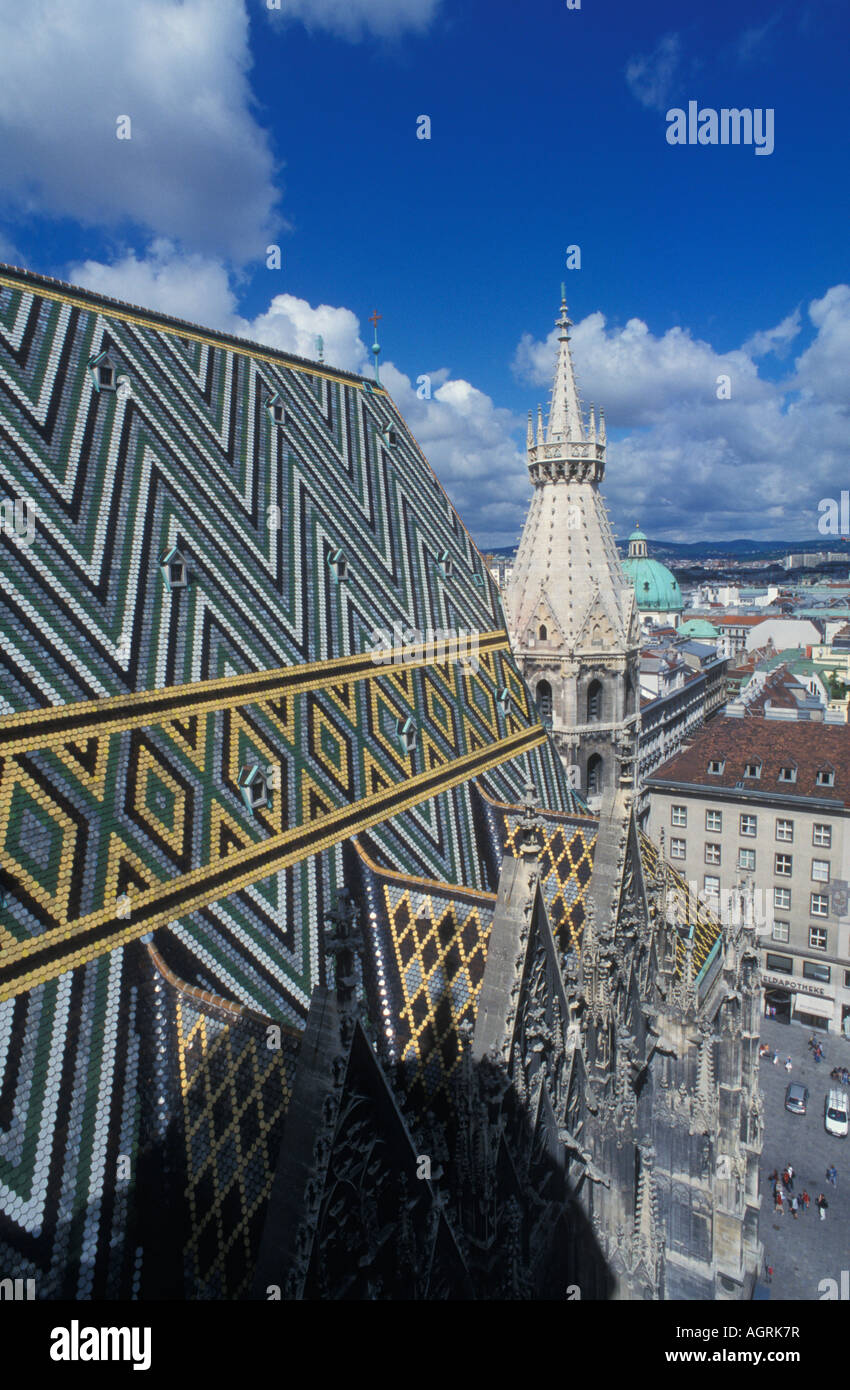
x: 297, y: 126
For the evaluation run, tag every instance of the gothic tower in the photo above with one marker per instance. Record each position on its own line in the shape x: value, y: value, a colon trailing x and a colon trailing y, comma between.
x: 571, y: 611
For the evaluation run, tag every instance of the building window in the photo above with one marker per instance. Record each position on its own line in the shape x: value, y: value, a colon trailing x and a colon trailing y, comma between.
x: 338, y: 562
x: 784, y: 965
x: 782, y: 865
x: 782, y: 898
x: 825, y: 777
x: 678, y: 849
x: 847, y: 979
x: 594, y: 701
x: 749, y: 825
x: 817, y: 938
x: 752, y: 770
x: 813, y: 970
x: 781, y: 931
x: 174, y: 570
x: 276, y: 410
x: 819, y: 904
x: 255, y: 787
x: 822, y: 836
x: 408, y: 734
x: 543, y: 696
x: 788, y: 774
x: 712, y: 854
x: 746, y: 859
x: 711, y: 886
x: 594, y: 774
x: 716, y: 767
x: 714, y: 820
x: 678, y: 815
x: 785, y: 830
x: 543, y: 633
x: 820, y: 870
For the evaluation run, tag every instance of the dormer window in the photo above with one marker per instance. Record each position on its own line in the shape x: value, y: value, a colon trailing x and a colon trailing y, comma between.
x: 390, y: 437
x: 444, y: 560
x: 339, y: 564
x: 504, y: 699
x: 102, y: 370
x: 716, y: 766
x: 788, y: 773
x: 543, y: 633
x: 752, y: 770
x: 255, y: 788
x: 408, y: 734
x: 825, y: 777
x: 276, y: 410
x: 174, y: 570
x: 478, y: 581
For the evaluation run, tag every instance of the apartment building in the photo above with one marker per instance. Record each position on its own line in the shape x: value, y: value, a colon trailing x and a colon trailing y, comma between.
x: 769, y: 802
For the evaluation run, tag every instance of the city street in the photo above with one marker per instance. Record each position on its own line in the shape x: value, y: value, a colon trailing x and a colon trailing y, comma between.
x: 805, y: 1251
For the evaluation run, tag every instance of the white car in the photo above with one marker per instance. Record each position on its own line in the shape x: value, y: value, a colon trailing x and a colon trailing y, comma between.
x: 836, y: 1113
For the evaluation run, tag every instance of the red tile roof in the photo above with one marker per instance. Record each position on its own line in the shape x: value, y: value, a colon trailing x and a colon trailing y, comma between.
x: 810, y: 745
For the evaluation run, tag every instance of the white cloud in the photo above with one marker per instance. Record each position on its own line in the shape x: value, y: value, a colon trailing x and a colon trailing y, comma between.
x: 198, y: 168
x: 650, y: 76
x: 776, y: 340
x: 352, y: 19
x: 822, y: 369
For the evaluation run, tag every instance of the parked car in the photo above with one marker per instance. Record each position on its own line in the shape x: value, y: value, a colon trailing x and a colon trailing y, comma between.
x: 797, y: 1098
x: 836, y: 1113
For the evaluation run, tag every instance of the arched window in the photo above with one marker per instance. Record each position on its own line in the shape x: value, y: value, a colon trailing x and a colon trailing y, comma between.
x: 594, y: 701
x: 594, y: 774
x: 596, y: 636
x: 543, y: 695
x: 543, y: 634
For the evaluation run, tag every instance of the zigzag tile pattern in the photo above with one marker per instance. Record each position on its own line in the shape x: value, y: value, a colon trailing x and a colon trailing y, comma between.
x: 129, y: 712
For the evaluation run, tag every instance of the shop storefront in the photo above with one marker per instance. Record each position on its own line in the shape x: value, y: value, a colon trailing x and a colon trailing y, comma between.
x: 806, y: 1004
x: 813, y: 1013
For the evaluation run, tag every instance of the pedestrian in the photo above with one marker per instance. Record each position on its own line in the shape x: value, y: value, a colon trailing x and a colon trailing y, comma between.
x: 805, y: 1199
x: 832, y: 1175
x: 775, y: 1056
x: 788, y: 1064
x: 769, y: 1275
x: 777, y: 1201
x: 822, y: 1205
x: 787, y: 1179
x: 773, y: 1177
x: 813, y: 1042
x: 794, y: 1207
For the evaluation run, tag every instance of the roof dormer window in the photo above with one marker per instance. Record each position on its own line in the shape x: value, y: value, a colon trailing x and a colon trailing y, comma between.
x: 174, y: 570
x: 444, y: 560
x: 825, y: 777
x: 788, y: 773
x: 275, y: 409
x: 408, y: 734
x: 339, y: 564
x: 255, y: 788
x: 390, y: 437
x: 752, y: 770
x: 102, y: 371
x: 716, y: 766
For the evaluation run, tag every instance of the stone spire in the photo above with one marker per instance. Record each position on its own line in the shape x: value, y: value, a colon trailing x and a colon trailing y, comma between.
x: 565, y: 422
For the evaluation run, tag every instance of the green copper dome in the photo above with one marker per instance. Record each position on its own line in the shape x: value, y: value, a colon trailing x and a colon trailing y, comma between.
x: 698, y: 627
x: 656, y: 589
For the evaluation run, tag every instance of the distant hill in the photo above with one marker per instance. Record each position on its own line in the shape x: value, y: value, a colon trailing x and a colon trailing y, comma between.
x: 721, y: 550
